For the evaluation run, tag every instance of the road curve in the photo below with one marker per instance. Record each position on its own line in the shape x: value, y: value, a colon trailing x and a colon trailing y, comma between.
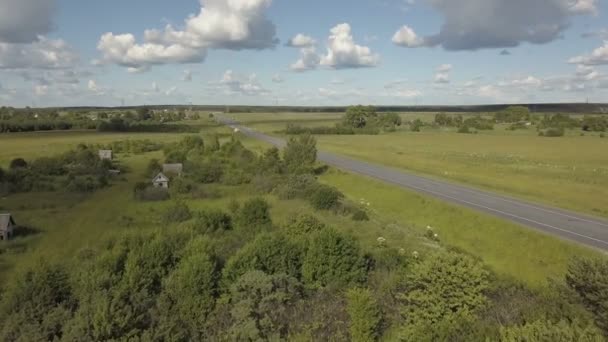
x: 584, y: 229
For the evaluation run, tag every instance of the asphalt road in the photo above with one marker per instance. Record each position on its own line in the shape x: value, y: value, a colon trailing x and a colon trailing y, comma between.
x: 584, y: 229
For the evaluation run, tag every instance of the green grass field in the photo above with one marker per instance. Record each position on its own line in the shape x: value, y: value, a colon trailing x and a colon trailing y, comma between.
x: 569, y: 172
x: 69, y: 224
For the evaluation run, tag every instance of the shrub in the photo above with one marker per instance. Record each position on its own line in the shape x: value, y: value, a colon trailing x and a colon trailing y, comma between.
x: 255, y: 213
x: 271, y: 253
x: 300, y: 154
x: 209, y: 172
x: 304, y: 225
x: 360, y: 215
x: 359, y: 116
x: 212, y: 220
x: 464, y: 129
x: 443, y: 289
x: 296, y: 186
x: 589, y: 279
x: 265, y: 183
x: 325, y: 198
x: 334, y: 259
x: 554, y: 132
x: 416, y: 125
x: 602, y: 135
x: 235, y: 177
x: 547, y: 331
x: 176, y: 213
x: 18, y: 163
x: 365, y: 316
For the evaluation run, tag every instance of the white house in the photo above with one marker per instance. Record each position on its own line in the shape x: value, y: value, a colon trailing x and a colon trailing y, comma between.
x: 7, y: 226
x: 161, y: 181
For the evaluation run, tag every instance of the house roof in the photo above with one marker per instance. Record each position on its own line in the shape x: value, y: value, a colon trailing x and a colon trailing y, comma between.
x: 5, y: 219
x: 160, y: 178
x: 173, y: 168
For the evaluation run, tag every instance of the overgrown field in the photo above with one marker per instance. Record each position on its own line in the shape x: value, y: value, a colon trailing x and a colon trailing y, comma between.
x: 569, y: 172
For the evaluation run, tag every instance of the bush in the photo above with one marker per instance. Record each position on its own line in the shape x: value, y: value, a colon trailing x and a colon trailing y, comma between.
x: 553, y: 132
x: 176, y: 213
x: 300, y: 154
x: 589, y: 279
x: 365, y: 316
x: 416, y: 125
x: 255, y: 213
x: 18, y: 163
x: 548, y: 331
x: 145, y: 192
x: 325, y: 197
x: 235, y: 177
x: 360, y: 215
x: 359, y: 116
x: 304, y: 225
x: 296, y: 186
x: 334, y: 259
x: 212, y: 221
x: 265, y: 183
x: 464, y: 129
x: 602, y: 135
x: 271, y: 253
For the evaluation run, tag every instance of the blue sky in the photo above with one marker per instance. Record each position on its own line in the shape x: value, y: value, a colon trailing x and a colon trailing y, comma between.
x: 293, y: 52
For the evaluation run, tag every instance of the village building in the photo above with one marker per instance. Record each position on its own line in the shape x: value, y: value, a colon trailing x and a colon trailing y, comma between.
x: 7, y: 226
x: 105, y: 154
x: 173, y: 169
x: 161, y: 181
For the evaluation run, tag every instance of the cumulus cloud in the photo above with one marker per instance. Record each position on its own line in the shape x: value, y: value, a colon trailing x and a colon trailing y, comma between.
x: 220, y: 24
x: 41, y: 54
x: 529, y: 81
x: 407, y: 37
x: 343, y: 52
x: 187, y: 76
x: 599, y: 56
x: 442, y: 74
x: 122, y: 50
x: 234, y: 83
x: 41, y: 90
x: 407, y: 93
x: 301, y: 41
x: 479, y: 24
x: 22, y: 21
x: 309, y: 60
x: 505, y: 53
x: 277, y: 78
x: 92, y: 85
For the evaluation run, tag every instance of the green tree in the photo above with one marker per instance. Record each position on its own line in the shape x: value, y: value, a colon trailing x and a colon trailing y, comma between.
x: 188, y: 296
x: 300, y: 154
x: 214, y: 145
x: 359, y: 116
x: 365, y: 315
x: 444, y: 289
x: 18, y: 163
x: 271, y: 253
x: 144, y: 113
x: 589, y: 279
x: 545, y: 331
x: 260, y: 306
x: 334, y: 259
x: 270, y: 162
x: 36, y: 304
x: 255, y: 213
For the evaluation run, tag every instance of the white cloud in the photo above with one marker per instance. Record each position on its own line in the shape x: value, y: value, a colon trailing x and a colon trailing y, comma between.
x: 171, y: 91
x: 407, y: 37
x: 122, y: 50
x: 277, y: 78
x: 301, y: 40
x: 407, y: 93
x: 41, y: 90
x: 42, y: 54
x: 479, y: 24
x: 234, y: 83
x: 220, y: 24
x: 309, y: 60
x: 530, y: 81
x: 92, y: 85
x: 155, y: 87
x: 343, y: 53
x: 444, y: 68
x: 22, y: 21
x: 187, y: 76
x: 442, y: 74
x: 599, y: 56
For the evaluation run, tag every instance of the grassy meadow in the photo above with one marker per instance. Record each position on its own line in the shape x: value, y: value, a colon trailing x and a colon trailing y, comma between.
x: 569, y: 172
x: 66, y: 225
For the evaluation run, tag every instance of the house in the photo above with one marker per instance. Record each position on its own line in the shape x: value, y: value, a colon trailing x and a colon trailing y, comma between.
x: 7, y: 226
x: 173, y: 169
x: 105, y: 154
x: 161, y: 181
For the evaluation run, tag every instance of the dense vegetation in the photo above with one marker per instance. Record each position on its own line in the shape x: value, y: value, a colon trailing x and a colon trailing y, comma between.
x: 236, y: 273
x: 79, y: 170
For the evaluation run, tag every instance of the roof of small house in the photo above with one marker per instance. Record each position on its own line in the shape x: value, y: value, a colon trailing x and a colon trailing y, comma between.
x: 160, y: 177
x: 173, y: 168
x: 5, y: 219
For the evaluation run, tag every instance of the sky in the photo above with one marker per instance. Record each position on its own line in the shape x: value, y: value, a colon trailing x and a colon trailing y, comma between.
x: 296, y: 52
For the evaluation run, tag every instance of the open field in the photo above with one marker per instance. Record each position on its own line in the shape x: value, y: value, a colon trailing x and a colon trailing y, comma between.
x: 569, y: 172
x: 71, y: 223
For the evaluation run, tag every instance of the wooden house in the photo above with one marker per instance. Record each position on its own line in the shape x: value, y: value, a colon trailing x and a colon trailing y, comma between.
x: 7, y: 226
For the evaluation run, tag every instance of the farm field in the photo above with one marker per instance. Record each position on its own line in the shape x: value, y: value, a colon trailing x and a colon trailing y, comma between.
x: 569, y: 172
